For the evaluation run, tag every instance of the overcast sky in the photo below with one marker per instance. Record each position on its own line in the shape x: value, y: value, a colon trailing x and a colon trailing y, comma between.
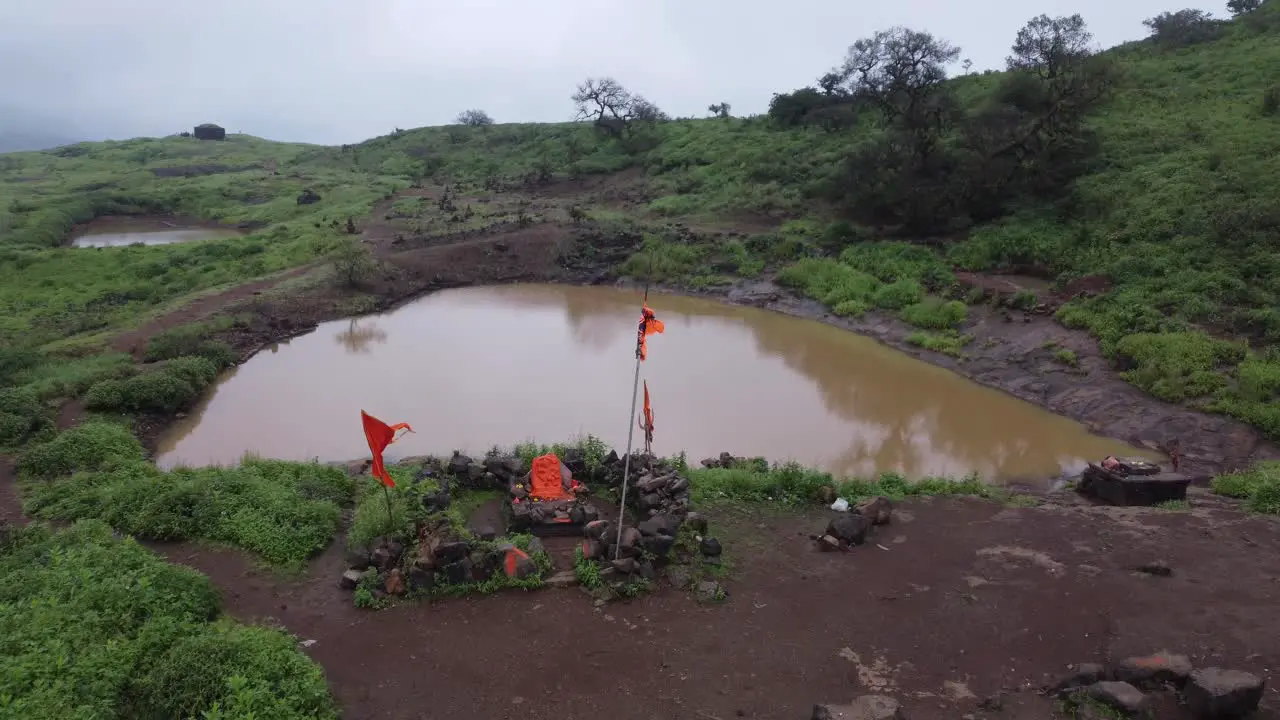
x: 333, y: 71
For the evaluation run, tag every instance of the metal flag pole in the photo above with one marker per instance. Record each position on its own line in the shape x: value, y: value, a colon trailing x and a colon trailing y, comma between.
x: 631, y: 429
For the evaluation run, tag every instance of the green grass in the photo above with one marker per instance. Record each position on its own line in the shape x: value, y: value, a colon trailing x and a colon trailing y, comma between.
x: 96, y: 627
x: 948, y: 342
x: 283, y: 512
x: 793, y: 484
x: 1259, y: 487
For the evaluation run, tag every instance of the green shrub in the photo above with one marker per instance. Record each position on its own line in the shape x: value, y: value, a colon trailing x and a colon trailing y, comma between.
x: 851, y: 308
x: 164, y: 389
x: 96, y: 627
x: 14, y: 360
x: 794, y: 484
x: 898, y: 295
x: 281, y: 511
x: 1177, y: 366
x: 1258, y: 486
x: 189, y: 340
x: 90, y: 446
x: 947, y: 343
x: 934, y: 314
x: 828, y: 281
x: 21, y: 413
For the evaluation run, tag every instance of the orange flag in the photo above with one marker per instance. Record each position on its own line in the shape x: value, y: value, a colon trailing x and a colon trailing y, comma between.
x: 647, y: 423
x: 380, y: 435
x: 649, y: 324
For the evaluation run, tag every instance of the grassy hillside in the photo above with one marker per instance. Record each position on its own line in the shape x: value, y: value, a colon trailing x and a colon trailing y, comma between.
x: 1176, y: 209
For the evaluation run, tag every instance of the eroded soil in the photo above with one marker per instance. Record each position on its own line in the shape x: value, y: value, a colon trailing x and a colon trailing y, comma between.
x: 958, y: 602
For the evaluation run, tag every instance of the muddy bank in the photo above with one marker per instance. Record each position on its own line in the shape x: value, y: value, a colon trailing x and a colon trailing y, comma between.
x: 1009, y: 355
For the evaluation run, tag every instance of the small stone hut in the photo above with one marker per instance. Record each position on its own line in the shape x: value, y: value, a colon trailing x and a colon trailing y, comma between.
x: 209, y: 131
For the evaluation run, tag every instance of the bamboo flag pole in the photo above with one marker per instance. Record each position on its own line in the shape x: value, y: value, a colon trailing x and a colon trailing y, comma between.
x: 631, y: 429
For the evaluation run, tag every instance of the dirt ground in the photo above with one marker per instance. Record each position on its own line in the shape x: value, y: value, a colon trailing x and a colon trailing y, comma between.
x: 957, y: 603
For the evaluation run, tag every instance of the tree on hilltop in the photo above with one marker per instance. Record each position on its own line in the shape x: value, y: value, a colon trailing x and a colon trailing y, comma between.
x: 1050, y: 47
x: 1240, y: 7
x: 612, y: 108
x: 474, y: 118
x: 720, y: 110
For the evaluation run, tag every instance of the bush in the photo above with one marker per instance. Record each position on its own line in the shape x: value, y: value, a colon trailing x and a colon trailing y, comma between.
x: 14, y: 360
x: 165, y: 389
x: 21, y: 413
x: 898, y: 295
x: 1177, y: 366
x: 948, y: 343
x: 935, y: 314
x: 90, y: 446
x: 794, y: 484
x: 189, y: 340
x: 99, y: 627
x: 1259, y: 487
x: 281, y: 511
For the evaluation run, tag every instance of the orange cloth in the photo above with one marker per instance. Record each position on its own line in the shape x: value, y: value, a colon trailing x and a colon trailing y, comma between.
x: 380, y: 435
x: 649, y: 324
x: 512, y: 561
x: 647, y: 422
x: 545, y: 480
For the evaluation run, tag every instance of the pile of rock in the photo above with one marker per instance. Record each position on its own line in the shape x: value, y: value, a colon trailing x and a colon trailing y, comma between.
x: 439, y: 557
x: 728, y: 462
x: 1209, y: 693
x: 850, y: 528
x: 650, y: 550
x: 656, y: 488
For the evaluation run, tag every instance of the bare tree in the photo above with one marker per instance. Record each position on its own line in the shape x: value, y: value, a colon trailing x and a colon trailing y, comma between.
x: 901, y: 70
x: 612, y: 108
x: 720, y: 110
x: 474, y: 118
x: 1050, y: 47
x: 967, y: 66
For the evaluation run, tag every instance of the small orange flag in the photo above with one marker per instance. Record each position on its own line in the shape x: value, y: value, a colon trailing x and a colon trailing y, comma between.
x: 649, y: 324
x: 646, y: 421
x: 380, y: 435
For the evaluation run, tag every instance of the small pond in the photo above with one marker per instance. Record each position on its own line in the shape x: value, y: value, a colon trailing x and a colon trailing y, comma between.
x: 475, y: 367
x: 120, y: 232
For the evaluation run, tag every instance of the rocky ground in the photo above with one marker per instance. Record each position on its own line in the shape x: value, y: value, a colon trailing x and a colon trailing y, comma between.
x: 957, y: 608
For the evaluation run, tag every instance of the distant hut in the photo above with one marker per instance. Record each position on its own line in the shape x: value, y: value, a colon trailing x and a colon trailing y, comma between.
x: 209, y: 131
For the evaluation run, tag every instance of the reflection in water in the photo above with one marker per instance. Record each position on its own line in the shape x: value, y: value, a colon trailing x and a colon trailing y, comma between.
x: 482, y: 366
x: 150, y: 237
x: 357, y: 338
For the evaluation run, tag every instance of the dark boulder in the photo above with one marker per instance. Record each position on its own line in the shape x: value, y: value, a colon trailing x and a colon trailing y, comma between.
x: 1216, y: 693
x: 710, y: 547
x: 459, y: 465
x: 879, y: 510
x: 209, y: 131
x: 849, y: 528
x: 661, y: 524
x: 308, y: 197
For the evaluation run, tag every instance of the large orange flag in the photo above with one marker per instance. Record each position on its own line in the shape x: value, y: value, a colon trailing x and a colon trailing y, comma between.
x: 649, y: 324
x: 380, y: 435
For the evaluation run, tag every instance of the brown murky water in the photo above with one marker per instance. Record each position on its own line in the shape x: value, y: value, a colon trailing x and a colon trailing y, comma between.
x: 476, y: 367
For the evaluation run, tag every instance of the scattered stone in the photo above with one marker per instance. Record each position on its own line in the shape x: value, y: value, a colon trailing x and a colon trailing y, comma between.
x: 1150, y: 671
x: 358, y: 559
x: 826, y: 494
x: 696, y: 522
x: 308, y: 197
x: 1159, y: 568
x: 382, y: 558
x: 452, y: 552
x: 1118, y: 695
x: 1085, y: 675
x: 395, y: 582
x: 350, y: 579
x: 484, y: 532
x: 659, y: 545
x: 459, y: 464
x: 710, y: 591
x: 879, y: 510
x: 536, y: 546
x: 597, y: 530
x: 661, y: 524
x: 437, y: 501
x: 679, y: 576
x: 829, y: 543
x: 849, y: 528
x: 629, y: 542
x: 458, y: 572
x: 625, y: 565
x: 421, y: 580
x: 592, y: 549
x: 710, y: 547
x: 1216, y: 693
x: 867, y: 707
x: 562, y: 579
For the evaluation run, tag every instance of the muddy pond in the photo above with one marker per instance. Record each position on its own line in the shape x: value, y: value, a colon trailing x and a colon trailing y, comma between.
x: 121, y: 232
x: 475, y: 367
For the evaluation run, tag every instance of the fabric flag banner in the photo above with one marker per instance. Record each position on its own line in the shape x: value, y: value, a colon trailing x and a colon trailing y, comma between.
x: 649, y: 324
x: 646, y: 423
x: 380, y: 435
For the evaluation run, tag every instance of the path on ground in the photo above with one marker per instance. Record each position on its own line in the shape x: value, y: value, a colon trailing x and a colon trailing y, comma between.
x: 956, y: 602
